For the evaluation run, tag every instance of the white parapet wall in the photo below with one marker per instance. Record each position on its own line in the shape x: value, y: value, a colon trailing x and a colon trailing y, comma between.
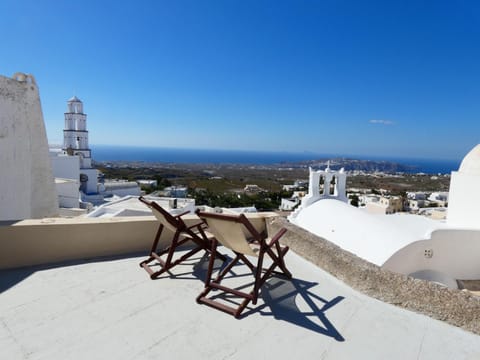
x: 52, y: 240
x: 452, y: 253
x: 27, y: 187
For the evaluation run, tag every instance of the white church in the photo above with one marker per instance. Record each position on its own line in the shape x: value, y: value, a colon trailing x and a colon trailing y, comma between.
x: 75, y: 142
x: 76, y: 180
x: 445, y: 252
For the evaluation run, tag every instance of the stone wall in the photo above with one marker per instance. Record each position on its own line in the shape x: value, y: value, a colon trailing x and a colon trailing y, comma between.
x: 27, y: 188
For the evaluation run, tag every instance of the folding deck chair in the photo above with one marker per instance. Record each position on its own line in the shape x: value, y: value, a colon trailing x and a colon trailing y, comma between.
x: 181, y: 235
x: 239, y: 235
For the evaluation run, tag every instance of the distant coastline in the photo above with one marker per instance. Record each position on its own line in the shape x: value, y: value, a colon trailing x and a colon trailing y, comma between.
x: 105, y: 153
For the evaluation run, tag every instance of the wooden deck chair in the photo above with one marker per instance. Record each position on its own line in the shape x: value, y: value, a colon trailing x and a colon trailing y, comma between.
x: 239, y: 235
x: 181, y: 234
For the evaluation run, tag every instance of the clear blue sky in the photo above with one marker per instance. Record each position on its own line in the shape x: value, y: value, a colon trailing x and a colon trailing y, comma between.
x: 393, y: 78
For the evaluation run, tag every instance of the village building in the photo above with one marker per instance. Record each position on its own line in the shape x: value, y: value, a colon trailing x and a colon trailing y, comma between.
x: 77, y: 181
x: 445, y: 252
x: 386, y: 204
x: 72, y: 288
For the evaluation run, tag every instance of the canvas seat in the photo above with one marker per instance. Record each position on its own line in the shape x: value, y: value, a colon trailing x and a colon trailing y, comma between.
x: 182, y: 233
x: 238, y: 234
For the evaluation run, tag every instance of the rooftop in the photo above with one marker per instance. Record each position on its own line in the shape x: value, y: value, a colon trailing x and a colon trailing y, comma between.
x: 56, y: 304
x: 372, y: 237
x: 110, y: 308
x: 130, y: 206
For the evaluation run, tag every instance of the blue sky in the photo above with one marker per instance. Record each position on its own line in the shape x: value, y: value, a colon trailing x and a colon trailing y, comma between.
x: 393, y: 78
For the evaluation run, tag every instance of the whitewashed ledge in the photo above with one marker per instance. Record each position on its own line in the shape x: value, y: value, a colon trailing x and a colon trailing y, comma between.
x: 456, y: 307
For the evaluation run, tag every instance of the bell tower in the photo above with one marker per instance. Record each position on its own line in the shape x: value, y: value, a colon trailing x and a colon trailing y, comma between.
x: 323, y: 184
x: 75, y: 134
x: 75, y: 143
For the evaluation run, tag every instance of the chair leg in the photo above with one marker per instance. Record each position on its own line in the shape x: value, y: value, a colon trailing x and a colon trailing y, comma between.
x: 272, y: 267
x: 154, y: 246
x: 258, y: 275
x: 208, y: 278
x: 168, y: 266
x: 211, y: 263
x: 242, y: 307
x: 215, y: 284
x: 281, y: 255
x: 172, y: 248
x: 278, y: 260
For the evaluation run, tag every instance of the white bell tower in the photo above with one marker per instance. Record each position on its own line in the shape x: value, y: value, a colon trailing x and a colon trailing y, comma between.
x: 75, y: 143
x: 75, y: 134
x: 324, y: 184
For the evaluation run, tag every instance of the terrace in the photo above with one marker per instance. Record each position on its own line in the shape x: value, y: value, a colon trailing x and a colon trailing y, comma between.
x: 72, y: 288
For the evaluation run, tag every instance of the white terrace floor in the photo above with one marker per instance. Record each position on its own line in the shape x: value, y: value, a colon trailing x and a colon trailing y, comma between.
x: 112, y: 310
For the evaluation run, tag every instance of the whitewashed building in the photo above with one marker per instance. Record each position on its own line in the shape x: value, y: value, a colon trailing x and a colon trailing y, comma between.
x: 440, y: 251
x: 121, y: 188
x: 75, y: 142
x: 416, y: 195
x: 385, y: 205
x: 415, y: 205
x: 440, y: 198
x: 131, y: 206
x: 176, y: 191
x: 73, y: 162
x: 289, y: 204
x: 324, y: 184
x: 147, y: 183
x: 76, y: 179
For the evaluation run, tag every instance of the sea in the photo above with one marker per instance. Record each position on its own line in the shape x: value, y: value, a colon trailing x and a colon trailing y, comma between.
x: 105, y: 153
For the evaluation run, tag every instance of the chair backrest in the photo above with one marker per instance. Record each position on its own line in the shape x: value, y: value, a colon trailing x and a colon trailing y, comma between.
x: 166, y: 219
x: 232, y: 231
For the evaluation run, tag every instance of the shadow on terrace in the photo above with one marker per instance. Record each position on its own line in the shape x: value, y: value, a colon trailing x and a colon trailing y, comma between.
x: 31, y: 246
x: 292, y: 300
x: 282, y: 296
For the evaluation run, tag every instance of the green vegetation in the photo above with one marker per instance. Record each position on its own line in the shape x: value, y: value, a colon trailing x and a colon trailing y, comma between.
x: 262, y: 201
x: 222, y: 185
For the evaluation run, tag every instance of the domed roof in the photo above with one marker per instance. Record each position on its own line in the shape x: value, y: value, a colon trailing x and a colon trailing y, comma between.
x: 372, y: 237
x: 74, y: 99
x: 471, y: 162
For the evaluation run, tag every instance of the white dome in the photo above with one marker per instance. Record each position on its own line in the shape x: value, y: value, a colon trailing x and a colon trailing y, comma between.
x: 471, y: 162
x: 374, y: 238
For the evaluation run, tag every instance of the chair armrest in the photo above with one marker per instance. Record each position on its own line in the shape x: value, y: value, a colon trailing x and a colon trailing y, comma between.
x: 194, y: 222
x: 277, y: 236
x: 180, y: 215
x: 201, y: 224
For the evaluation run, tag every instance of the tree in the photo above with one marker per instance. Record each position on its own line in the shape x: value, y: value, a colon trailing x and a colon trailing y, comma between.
x: 162, y: 183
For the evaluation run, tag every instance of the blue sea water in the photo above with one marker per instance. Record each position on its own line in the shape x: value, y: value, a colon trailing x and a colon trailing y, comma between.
x: 172, y: 155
